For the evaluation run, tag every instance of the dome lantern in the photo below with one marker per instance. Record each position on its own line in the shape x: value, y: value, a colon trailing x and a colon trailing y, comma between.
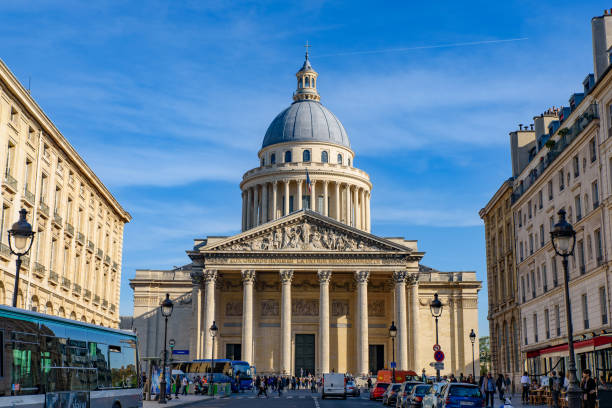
x: 306, y: 82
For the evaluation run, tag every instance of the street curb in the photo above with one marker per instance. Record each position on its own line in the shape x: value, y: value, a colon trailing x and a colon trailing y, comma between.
x: 183, y: 405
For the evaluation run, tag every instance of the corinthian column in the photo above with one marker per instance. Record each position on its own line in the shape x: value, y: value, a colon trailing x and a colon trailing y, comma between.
x: 325, y: 210
x: 338, y: 209
x: 274, y: 200
x: 324, y: 277
x: 286, y: 212
x: 256, y: 213
x: 362, y: 322
x: 195, y: 346
x: 248, y: 277
x: 249, y: 208
x: 356, y: 206
x: 413, y: 280
x: 286, y: 276
x: 264, y: 203
x: 299, y: 194
x: 368, y: 224
x: 210, y: 278
x: 348, y: 204
x: 362, y: 209
x: 244, y: 207
x: 399, y: 277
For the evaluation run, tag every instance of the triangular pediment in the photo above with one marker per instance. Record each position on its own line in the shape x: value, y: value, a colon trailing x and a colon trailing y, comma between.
x: 305, y: 231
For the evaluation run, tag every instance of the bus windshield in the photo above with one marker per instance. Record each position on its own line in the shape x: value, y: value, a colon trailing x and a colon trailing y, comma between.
x: 242, y: 369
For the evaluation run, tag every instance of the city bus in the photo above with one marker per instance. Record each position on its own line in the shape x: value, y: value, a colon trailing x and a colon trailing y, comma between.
x: 48, y: 361
x: 220, y: 371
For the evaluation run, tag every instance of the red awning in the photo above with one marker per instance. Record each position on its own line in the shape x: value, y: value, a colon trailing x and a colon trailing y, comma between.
x: 592, y: 342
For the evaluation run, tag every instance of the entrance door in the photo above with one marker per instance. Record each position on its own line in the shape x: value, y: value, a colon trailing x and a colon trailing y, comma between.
x: 233, y: 351
x: 377, y: 357
x: 304, y: 354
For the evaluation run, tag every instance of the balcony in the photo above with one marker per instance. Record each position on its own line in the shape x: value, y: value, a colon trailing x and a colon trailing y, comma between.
x: 87, y: 294
x: 107, y: 260
x: 90, y: 246
x: 10, y: 182
x: 57, y: 219
x: 53, y: 277
x: 566, y: 137
x: 39, y: 269
x: 80, y: 238
x: 105, y: 304
x: 44, y: 209
x: 66, y: 283
x: 5, y: 251
x: 96, y: 300
x: 69, y: 229
x: 29, y: 197
x: 76, y: 289
x: 99, y: 254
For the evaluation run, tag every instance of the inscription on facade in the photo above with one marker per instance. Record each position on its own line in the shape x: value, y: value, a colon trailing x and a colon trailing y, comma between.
x: 305, y: 307
x: 269, y: 308
x: 376, y: 308
x: 233, y: 309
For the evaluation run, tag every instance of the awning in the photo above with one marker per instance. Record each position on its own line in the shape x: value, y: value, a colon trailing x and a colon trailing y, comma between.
x: 594, y: 342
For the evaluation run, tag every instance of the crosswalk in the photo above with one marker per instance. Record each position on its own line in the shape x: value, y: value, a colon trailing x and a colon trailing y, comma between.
x: 276, y: 397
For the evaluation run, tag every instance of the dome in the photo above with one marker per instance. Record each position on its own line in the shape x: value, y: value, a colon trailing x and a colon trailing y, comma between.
x: 306, y: 121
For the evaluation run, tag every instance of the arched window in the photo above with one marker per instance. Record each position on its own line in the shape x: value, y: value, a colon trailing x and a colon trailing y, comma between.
x: 1, y: 293
x: 288, y: 156
x: 83, y: 319
x: 307, y: 82
x: 349, y: 162
x: 339, y: 158
x: 306, y: 156
x: 61, y: 312
x: 49, y: 308
x: 273, y: 158
x: 34, y: 304
x: 324, y: 157
x: 73, y: 316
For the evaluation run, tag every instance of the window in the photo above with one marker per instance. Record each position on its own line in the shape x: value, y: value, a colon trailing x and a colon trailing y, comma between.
x: 273, y: 158
x: 585, y: 311
x: 525, y: 329
x: 592, y: 150
x: 288, y: 156
x: 533, y: 284
x: 69, y: 211
x: 324, y: 157
x: 603, y: 305
x: 262, y: 162
x: 550, y: 190
x: 65, y: 261
x: 551, y: 221
x: 523, y: 288
x: 595, y: 194
x: 57, y: 200
x: 546, y: 323
x: 306, y: 156
x: 558, y: 320
x: 52, y: 255
x: 540, y: 199
x: 27, y: 175
x: 561, y: 181
x: 521, y: 250
x: 349, y: 162
x: 290, y: 204
x: 535, y: 327
x: 598, y: 249
x: 576, y: 163
x: 3, y: 222
x: 10, y: 157
x: 544, y: 278
x: 578, y: 207
x: 14, y: 115
x: 520, y: 218
x: 554, y: 271
x: 529, y: 212
x: 541, y: 236
x: 339, y: 158
x: 580, y: 250
x: 530, y: 244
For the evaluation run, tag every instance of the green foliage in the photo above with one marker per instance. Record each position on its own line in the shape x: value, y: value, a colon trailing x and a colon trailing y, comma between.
x: 550, y: 143
x: 484, y: 353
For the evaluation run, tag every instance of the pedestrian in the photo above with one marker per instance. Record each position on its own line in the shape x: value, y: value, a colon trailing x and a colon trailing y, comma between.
x: 508, y: 384
x: 177, y: 386
x: 279, y: 385
x: 423, y: 377
x: 262, y: 388
x: 461, y: 377
x: 452, y: 378
x: 555, y: 389
x: 501, y: 386
x: 185, y: 385
x: 370, y: 382
x: 589, y: 389
x: 488, y: 386
x: 525, y: 385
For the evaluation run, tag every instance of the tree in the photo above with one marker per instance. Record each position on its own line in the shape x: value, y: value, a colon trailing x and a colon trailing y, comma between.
x: 484, y: 354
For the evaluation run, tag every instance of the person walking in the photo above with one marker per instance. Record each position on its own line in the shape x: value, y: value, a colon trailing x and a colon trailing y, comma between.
x: 488, y: 386
x: 589, y: 389
x: 508, y: 384
x: 555, y: 388
x: 185, y: 385
x: 279, y: 385
x: 525, y: 385
x: 501, y: 386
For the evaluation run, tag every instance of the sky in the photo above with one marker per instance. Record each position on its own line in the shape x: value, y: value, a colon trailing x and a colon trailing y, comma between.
x: 168, y: 102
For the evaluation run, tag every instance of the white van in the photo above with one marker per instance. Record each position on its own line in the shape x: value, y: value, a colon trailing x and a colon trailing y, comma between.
x: 333, y: 386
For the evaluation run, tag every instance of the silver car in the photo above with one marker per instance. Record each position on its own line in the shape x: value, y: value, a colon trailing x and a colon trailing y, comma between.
x: 431, y: 399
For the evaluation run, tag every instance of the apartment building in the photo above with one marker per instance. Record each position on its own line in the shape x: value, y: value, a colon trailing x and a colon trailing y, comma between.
x: 74, y: 267
x: 503, y: 316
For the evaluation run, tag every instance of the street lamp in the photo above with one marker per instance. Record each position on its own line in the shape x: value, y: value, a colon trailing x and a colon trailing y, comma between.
x: 473, y: 340
x: 436, y: 311
x: 392, y: 334
x: 214, y: 330
x: 166, y: 311
x: 20, y: 241
x: 563, y: 239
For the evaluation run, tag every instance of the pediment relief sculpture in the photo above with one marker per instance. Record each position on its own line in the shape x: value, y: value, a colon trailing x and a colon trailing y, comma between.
x: 264, y: 285
x: 305, y: 307
x: 376, y: 308
x: 270, y: 308
x: 233, y: 308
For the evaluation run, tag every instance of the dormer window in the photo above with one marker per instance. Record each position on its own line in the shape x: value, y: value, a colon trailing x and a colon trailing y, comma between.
x: 324, y: 157
x: 288, y: 156
x: 306, y: 156
x: 339, y: 158
x: 273, y: 158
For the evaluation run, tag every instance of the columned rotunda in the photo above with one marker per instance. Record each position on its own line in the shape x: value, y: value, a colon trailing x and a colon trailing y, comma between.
x: 305, y: 287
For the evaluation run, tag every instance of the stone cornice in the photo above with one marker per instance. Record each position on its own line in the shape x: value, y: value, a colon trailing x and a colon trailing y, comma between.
x: 299, y: 173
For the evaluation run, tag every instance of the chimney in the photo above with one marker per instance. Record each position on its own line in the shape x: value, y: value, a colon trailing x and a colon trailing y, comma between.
x: 602, y: 42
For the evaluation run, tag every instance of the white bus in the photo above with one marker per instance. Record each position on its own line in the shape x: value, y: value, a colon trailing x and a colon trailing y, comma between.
x: 51, y: 362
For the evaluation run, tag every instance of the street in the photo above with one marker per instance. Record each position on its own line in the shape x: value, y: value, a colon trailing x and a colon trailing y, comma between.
x: 296, y: 399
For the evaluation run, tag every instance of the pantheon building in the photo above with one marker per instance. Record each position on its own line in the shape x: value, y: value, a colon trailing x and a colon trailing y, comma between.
x: 306, y: 287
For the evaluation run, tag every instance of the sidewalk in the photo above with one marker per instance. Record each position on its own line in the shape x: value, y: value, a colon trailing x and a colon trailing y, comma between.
x: 181, y: 401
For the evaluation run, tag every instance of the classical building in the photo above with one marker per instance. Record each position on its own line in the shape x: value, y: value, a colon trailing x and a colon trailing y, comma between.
x: 563, y: 161
x: 74, y: 267
x: 503, y: 298
x: 305, y: 287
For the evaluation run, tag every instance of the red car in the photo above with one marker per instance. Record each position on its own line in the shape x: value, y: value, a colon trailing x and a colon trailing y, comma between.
x: 378, y: 390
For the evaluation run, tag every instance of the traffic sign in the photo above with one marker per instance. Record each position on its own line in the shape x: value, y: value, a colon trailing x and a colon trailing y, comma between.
x: 439, y: 356
x: 437, y: 347
x: 171, y: 343
x: 438, y: 366
x: 393, y: 365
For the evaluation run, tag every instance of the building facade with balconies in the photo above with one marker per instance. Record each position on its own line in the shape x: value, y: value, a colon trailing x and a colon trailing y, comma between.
x: 74, y: 267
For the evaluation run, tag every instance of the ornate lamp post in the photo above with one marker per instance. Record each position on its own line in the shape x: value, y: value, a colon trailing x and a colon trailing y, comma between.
x: 563, y: 239
x: 392, y: 334
x: 20, y: 241
x: 214, y: 330
x: 166, y: 311
x: 436, y: 311
x: 473, y: 340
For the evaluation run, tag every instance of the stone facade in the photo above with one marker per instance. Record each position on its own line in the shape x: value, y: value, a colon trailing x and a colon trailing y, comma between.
x: 74, y: 267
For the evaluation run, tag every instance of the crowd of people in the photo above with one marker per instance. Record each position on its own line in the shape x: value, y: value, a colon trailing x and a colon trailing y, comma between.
x: 279, y: 383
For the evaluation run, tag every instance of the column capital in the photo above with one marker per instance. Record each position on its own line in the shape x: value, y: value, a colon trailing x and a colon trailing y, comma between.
x: 196, y: 276
x: 286, y: 275
x: 362, y: 276
x: 412, y: 279
x: 248, y: 275
x: 275, y: 182
x: 210, y: 275
x: 399, y: 276
x: 324, y: 276
x: 299, y: 182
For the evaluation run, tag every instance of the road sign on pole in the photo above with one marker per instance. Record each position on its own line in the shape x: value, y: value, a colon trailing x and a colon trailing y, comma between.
x: 393, y: 365
x: 438, y: 366
x: 437, y: 347
x: 439, y: 356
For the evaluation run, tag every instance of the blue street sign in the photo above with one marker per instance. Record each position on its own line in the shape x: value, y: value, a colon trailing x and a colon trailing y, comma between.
x: 439, y: 356
x: 393, y: 364
x: 180, y: 352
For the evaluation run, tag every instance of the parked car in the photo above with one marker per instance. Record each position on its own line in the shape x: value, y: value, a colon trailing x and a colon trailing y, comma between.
x: 405, y: 390
x: 333, y: 386
x: 378, y: 390
x: 390, y: 395
x: 415, y: 398
x: 352, y: 389
x: 430, y: 400
x: 460, y: 395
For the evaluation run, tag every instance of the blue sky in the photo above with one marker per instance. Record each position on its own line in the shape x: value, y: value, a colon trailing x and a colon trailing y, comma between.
x: 168, y: 102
